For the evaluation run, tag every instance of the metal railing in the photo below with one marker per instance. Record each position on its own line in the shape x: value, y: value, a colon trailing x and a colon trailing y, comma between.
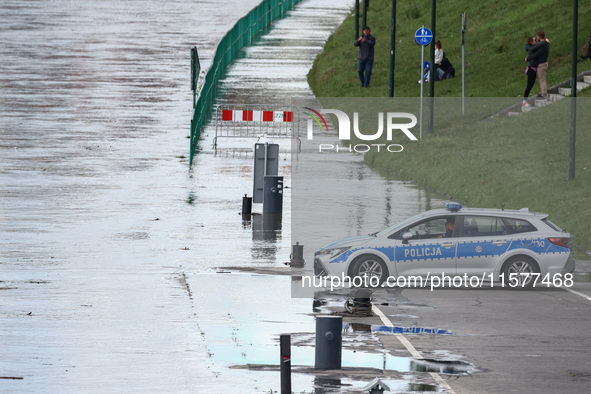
x: 243, y: 33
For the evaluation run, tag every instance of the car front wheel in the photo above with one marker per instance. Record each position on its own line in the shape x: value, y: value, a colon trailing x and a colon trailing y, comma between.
x: 519, y: 272
x: 371, y: 267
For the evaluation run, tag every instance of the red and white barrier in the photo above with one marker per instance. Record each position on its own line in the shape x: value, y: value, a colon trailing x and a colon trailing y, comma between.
x: 256, y: 116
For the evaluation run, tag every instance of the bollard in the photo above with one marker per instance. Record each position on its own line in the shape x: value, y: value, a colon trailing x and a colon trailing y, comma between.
x: 246, y: 205
x: 297, y: 256
x: 328, y: 342
x: 285, y: 363
x: 273, y: 194
x: 246, y: 208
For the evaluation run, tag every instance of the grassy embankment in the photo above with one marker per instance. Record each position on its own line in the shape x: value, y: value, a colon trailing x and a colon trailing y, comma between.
x: 510, y: 162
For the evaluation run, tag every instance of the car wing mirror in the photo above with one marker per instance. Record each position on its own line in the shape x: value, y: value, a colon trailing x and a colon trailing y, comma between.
x: 406, y: 236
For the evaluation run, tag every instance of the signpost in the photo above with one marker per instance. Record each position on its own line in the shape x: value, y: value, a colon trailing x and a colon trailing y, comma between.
x: 423, y: 37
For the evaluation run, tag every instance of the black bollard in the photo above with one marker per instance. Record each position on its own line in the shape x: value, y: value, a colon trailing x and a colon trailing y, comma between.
x: 246, y: 205
x: 285, y: 368
x: 328, y: 342
x: 297, y: 256
x: 273, y: 194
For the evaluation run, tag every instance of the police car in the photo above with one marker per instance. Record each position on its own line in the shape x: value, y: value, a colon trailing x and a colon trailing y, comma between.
x: 455, y: 241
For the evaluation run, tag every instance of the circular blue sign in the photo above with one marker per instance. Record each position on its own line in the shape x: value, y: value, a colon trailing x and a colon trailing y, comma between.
x: 423, y: 36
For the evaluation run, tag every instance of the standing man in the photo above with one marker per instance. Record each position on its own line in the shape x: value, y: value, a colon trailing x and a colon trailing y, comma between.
x: 365, y: 43
x: 539, y: 54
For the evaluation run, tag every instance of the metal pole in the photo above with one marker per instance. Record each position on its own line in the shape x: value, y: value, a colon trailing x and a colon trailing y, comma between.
x: 573, y: 102
x: 392, y: 49
x: 194, y: 73
x: 356, y: 19
x: 464, y: 63
x: 432, y: 75
x: 285, y: 366
x: 422, y: 84
x: 364, y: 18
x: 266, y: 159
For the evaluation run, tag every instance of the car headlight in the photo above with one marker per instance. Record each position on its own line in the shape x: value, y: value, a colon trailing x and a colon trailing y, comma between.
x: 331, y: 253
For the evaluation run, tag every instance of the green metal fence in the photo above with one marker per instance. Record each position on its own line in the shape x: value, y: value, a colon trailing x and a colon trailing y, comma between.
x: 243, y: 33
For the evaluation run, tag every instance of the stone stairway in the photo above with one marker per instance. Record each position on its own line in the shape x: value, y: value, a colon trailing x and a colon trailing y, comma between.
x: 555, y: 93
x: 580, y: 86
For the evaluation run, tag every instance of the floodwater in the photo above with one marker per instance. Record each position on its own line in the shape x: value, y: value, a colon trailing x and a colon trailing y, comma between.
x: 111, y: 249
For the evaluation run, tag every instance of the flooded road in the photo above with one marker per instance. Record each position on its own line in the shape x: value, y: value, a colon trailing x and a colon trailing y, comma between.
x: 110, y: 246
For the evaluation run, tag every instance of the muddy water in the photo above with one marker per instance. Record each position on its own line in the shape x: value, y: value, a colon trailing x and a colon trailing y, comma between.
x: 110, y: 246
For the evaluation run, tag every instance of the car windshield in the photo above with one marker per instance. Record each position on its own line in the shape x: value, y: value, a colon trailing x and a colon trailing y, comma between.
x: 400, y: 224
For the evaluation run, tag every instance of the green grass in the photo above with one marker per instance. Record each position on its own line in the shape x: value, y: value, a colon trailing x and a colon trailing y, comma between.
x: 495, y: 38
x: 510, y: 162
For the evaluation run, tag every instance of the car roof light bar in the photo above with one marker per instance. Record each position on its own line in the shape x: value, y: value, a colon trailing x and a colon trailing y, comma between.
x: 453, y: 206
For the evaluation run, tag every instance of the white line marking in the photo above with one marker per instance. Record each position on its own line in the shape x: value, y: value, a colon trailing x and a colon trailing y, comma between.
x: 411, y: 349
x: 585, y: 296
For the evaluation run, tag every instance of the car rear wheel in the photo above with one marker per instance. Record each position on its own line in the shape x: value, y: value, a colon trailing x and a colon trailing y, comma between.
x: 519, y: 272
x: 370, y: 266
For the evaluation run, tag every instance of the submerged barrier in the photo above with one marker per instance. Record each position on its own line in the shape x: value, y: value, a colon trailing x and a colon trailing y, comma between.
x: 243, y: 33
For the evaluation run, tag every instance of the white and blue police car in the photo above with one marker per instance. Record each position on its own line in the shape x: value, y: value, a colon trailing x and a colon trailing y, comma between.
x: 455, y: 241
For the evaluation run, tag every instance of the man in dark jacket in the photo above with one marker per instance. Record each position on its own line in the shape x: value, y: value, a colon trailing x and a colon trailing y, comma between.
x: 540, y: 53
x: 365, y: 43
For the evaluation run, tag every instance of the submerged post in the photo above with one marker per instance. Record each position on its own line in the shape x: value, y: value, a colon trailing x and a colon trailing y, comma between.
x: 328, y: 342
x: 285, y: 361
x: 246, y: 207
x: 297, y: 256
x: 273, y: 194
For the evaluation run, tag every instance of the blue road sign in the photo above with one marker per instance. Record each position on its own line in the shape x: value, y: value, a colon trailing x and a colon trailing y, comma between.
x: 423, y: 36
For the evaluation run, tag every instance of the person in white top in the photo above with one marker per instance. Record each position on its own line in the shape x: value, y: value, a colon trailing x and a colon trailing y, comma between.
x: 438, y: 60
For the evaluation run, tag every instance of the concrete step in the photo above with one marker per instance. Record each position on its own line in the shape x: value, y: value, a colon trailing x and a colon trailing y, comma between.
x: 567, y: 91
x: 527, y: 109
x: 555, y: 97
x: 587, y: 79
x: 542, y: 102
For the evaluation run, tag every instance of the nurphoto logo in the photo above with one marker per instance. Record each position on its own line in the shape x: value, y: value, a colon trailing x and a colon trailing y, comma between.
x: 395, y: 122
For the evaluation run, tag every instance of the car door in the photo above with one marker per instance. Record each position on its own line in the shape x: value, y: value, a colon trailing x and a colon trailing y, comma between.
x: 430, y: 250
x: 483, y: 242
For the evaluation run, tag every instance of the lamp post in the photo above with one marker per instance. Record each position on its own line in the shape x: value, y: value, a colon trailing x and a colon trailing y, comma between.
x: 392, y: 49
x: 573, y: 102
x: 432, y: 79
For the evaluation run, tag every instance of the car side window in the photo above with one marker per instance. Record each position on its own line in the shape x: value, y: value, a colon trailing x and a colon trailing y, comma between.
x: 481, y: 226
x: 517, y: 226
x: 432, y: 228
